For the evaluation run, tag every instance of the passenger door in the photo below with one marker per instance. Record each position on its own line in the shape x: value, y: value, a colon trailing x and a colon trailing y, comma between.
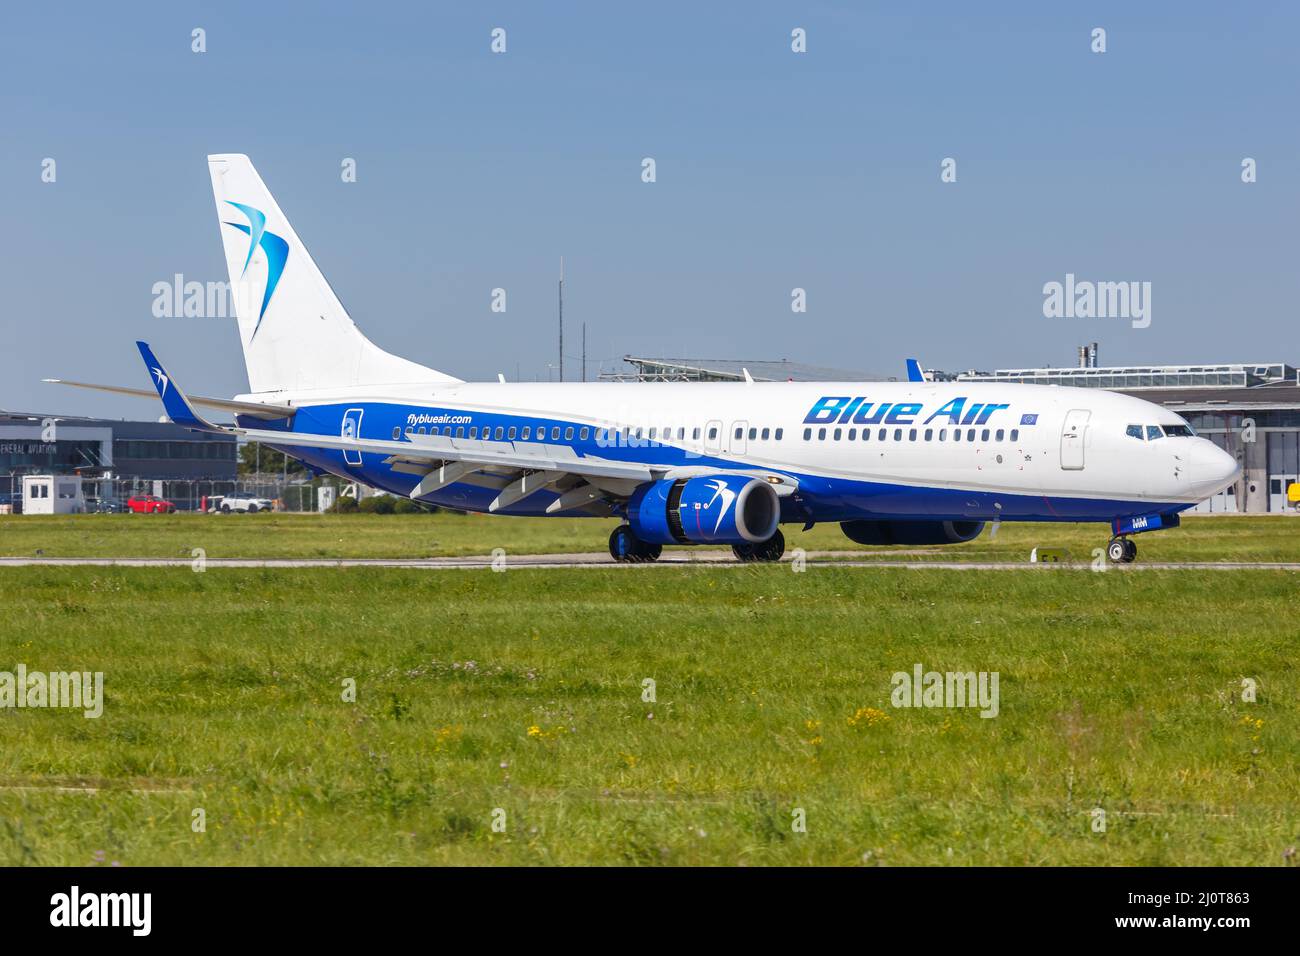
x: 351, y: 428
x: 1073, y: 434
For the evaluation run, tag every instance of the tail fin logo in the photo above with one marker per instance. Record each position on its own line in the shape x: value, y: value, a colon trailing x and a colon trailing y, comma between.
x: 275, y: 247
x: 162, y: 379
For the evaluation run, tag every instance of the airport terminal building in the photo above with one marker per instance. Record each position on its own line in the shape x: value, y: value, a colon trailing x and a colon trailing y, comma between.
x: 1250, y: 410
x: 133, y: 453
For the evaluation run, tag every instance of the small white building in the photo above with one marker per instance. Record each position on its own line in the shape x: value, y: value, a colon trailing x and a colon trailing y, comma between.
x: 53, y: 495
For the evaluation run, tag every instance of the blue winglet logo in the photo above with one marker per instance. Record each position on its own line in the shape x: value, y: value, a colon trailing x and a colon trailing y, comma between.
x: 275, y: 247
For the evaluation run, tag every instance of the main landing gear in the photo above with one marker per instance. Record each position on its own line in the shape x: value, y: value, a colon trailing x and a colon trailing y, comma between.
x: 627, y: 547
x: 770, y: 550
x: 1122, y: 550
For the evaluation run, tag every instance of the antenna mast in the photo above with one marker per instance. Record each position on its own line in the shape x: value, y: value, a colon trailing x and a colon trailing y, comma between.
x: 561, y: 318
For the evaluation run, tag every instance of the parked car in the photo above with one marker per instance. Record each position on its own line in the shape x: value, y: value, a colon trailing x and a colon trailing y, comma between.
x: 14, y: 501
x: 149, y: 505
x: 105, y: 506
x: 243, y: 501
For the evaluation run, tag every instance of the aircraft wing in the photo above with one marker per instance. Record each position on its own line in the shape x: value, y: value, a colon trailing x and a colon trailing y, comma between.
x: 431, y: 448
x: 580, y: 481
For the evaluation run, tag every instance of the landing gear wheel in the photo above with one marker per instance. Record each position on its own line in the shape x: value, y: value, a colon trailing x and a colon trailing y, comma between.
x: 1121, y: 550
x: 770, y: 550
x: 626, y: 547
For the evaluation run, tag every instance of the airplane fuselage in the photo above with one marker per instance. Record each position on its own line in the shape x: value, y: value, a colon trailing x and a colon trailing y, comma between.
x: 843, y: 451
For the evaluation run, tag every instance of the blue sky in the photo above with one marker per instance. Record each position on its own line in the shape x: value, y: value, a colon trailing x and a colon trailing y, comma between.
x: 775, y: 171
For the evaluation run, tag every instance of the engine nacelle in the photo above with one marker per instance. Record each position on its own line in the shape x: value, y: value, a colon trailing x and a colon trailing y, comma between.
x: 912, y: 532
x: 710, y: 509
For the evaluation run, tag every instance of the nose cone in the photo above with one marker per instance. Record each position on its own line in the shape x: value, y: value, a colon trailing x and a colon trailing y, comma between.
x: 1210, y: 468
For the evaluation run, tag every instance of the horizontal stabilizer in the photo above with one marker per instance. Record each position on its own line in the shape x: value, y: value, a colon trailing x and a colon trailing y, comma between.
x: 267, y: 410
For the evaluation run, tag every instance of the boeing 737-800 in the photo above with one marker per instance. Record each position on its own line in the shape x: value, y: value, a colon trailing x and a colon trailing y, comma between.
x: 913, y: 462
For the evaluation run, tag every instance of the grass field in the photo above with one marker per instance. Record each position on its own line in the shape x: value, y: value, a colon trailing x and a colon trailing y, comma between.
x: 1218, y: 538
x: 521, y: 692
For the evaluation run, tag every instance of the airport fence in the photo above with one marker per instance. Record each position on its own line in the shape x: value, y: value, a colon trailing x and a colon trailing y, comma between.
x: 111, y: 494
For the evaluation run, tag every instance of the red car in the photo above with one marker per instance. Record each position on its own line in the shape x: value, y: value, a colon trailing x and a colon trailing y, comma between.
x: 149, y: 505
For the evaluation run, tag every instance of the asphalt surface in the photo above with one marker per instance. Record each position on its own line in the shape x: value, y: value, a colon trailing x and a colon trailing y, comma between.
x: 712, y: 559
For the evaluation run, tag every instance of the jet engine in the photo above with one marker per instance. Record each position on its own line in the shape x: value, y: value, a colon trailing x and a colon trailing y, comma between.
x: 912, y: 532
x: 710, y: 509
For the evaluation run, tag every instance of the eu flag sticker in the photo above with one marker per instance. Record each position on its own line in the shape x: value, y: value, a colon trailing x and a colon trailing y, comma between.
x: 1029, y: 419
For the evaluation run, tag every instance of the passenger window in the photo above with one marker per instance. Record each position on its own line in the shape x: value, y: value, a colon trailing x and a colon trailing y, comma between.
x: 473, y: 432
x: 807, y: 434
x: 1153, y: 432
x: 421, y: 429
x: 779, y: 433
x: 970, y: 435
x: 555, y: 433
x: 397, y: 433
x: 713, y: 433
x: 866, y: 434
x: 911, y: 434
x: 765, y: 434
x: 753, y: 433
x: 526, y: 432
x: 653, y: 433
x: 410, y: 430
x: 500, y: 433
x: 898, y: 434
x: 1134, y: 431
x: 460, y: 432
x: 837, y: 434
x: 984, y: 435
x: 853, y: 434
x: 447, y: 431
x: 1015, y: 434
x: 695, y: 434
x: 739, y: 432
x: 821, y: 434
x: 568, y: 434
x: 929, y: 434
x: 583, y: 434
x: 681, y: 434
x: 880, y: 436
x: 999, y: 434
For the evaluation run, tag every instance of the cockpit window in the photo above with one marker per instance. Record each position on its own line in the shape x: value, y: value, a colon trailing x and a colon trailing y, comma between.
x: 1179, y: 431
x: 1134, y: 431
x: 1153, y: 432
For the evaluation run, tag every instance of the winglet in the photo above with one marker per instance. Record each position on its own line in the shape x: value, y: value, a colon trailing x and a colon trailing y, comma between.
x: 178, y: 406
x: 914, y: 373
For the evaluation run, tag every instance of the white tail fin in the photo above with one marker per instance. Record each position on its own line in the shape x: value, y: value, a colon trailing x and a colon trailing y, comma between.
x: 295, y: 332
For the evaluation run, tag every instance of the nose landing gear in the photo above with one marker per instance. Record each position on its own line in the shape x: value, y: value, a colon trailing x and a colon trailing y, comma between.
x: 1122, y: 550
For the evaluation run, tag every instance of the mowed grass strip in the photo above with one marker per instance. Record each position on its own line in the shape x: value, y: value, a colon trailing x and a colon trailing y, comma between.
x: 518, y: 697
x: 1203, y: 538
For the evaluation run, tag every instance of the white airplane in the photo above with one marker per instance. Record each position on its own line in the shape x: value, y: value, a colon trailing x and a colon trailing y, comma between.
x: 911, y: 462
